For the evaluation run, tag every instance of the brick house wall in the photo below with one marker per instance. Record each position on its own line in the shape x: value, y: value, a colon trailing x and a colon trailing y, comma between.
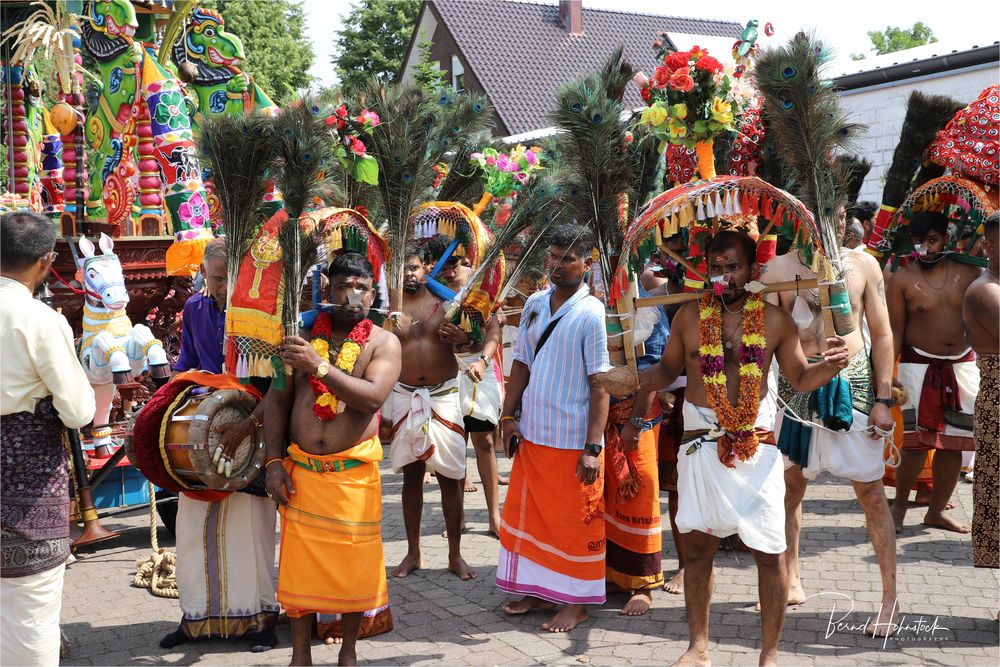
x: 442, y: 49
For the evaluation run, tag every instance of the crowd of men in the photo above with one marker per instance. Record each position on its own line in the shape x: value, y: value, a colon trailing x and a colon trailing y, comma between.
x: 581, y: 511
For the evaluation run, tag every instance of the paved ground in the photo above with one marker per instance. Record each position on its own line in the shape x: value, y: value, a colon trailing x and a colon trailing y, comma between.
x: 439, y: 619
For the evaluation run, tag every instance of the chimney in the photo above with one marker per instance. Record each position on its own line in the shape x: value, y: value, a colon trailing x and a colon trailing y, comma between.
x: 571, y: 15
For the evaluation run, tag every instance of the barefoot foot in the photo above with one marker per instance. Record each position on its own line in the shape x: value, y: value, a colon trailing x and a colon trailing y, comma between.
x: 503, y: 481
x: 566, y: 618
x: 639, y: 604
x: 942, y: 520
x: 347, y: 657
x: 676, y: 583
x: 694, y: 658
x: 329, y: 641
x: 461, y: 569
x: 796, y: 595
x: 444, y: 533
x: 898, y: 511
x: 886, y: 623
x: 526, y: 604
x: 470, y: 486
x: 409, y: 564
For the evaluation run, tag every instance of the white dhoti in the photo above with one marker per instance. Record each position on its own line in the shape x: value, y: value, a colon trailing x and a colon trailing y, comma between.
x: 481, y: 400
x: 29, y: 618
x: 509, y: 338
x: 944, y: 421
x: 748, y: 500
x: 225, y: 566
x: 427, y: 426
x: 848, y: 454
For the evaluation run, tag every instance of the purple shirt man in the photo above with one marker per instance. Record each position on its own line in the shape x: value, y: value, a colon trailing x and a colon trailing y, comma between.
x: 201, y: 335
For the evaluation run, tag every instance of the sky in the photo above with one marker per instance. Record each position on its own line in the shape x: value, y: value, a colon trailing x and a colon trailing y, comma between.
x: 843, y: 24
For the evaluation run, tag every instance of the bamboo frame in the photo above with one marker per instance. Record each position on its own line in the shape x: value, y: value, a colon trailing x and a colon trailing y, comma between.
x: 683, y: 262
x: 670, y: 299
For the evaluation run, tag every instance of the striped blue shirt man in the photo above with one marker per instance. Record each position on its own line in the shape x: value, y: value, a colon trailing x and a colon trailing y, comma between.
x: 556, y: 402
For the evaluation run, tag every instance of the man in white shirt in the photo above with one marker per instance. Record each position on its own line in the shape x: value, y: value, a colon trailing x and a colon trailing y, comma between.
x: 44, y: 391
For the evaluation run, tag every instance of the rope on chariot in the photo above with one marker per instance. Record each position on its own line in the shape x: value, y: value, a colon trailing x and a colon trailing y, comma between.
x: 157, y: 571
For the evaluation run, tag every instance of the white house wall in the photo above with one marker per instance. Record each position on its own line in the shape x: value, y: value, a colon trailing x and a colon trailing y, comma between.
x: 883, y: 106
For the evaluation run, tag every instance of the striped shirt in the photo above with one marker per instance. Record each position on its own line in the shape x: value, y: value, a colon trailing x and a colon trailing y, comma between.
x: 556, y: 402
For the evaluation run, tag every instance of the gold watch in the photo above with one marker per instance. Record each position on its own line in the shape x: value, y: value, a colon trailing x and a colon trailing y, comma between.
x: 322, y: 370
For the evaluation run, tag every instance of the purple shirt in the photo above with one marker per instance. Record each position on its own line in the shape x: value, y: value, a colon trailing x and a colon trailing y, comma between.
x: 202, y: 333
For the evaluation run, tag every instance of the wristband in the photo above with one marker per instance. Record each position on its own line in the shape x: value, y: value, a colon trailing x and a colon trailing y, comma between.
x: 505, y: 418
x: 256, y: 422
x: 270, y: 461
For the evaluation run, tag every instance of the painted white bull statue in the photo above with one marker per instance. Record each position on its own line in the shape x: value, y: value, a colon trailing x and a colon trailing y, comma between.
x: 112, y: 349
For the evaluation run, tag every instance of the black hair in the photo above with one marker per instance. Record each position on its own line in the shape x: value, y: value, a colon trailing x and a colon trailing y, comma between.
x: 435, y: 247
x: 413, y: 249
x: 350, y: 265
x: 575, y: 238
x: 729, y: 239
x: 864, y: 211
x: 25, y: 237
x: 926, y: 221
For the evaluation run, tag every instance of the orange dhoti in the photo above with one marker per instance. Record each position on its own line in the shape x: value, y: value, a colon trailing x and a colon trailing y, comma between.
x: 552, y: 529
x: 331, y: 533
x: 633, y: 525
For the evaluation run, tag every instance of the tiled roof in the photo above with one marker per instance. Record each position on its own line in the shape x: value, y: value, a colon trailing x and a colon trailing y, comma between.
x: 521, y: 54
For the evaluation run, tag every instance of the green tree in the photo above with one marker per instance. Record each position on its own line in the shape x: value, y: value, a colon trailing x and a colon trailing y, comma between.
x: 894, y: 39
x: 272, y: 31
x: 372, y: 40
x: 427, y: 75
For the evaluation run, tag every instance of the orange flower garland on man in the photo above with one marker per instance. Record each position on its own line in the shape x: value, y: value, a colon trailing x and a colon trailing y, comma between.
x: 730, y: 474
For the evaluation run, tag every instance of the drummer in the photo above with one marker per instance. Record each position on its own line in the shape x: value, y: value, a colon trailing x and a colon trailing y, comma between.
x: 223, y: 538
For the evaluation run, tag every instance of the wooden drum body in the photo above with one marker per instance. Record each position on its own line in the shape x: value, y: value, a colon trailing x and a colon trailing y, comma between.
x: 187, y: 440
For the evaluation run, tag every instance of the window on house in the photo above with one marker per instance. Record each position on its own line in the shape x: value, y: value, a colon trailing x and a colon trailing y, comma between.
x: 457, y: 74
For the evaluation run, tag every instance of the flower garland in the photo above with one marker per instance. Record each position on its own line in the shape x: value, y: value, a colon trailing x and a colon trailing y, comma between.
x: 327, y: 405
x: 737, y: 421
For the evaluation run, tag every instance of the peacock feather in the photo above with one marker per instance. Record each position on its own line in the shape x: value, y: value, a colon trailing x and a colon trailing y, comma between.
x: 238, y: 151
x: 854, y: 170
x: 417, y: 131
x: 809, y: 128
x: 593, y: 147
x: 304, y: 154
x: 647, y: 169
x: 925, y: 115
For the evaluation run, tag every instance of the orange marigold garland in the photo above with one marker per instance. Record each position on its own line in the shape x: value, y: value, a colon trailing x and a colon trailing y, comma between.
x: 327, y: 405
x: 737, y: 421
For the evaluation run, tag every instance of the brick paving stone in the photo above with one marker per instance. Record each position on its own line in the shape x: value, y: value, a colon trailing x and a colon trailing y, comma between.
x: 441, y: 620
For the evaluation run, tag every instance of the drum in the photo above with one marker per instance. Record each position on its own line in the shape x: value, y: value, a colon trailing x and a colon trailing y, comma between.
x: 172, y: 439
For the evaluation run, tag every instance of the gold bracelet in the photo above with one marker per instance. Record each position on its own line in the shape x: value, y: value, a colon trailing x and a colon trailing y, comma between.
x: 275, y: 460
x: 505, y: 418
x: 256, y: 422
